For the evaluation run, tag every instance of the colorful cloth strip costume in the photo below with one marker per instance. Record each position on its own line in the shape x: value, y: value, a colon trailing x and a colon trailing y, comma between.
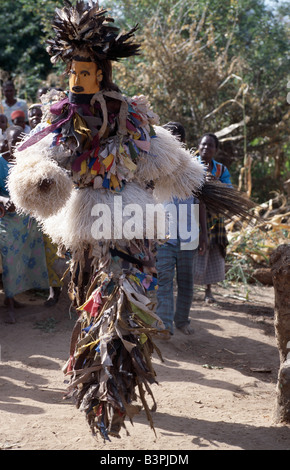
x: 97, y: 146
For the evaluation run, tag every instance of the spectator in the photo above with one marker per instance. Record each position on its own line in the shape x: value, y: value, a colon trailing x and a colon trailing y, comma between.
x: 34, y: 115
x: 18, y: 119
x: 179, y: 255
x: 11, y: 103
x: 55, y: 282
x: 3, y: 140
x: 3, y: 124
x: 41, y: 91
x: 4, y: 149
x: 21, y: 243
x: 210, y: 268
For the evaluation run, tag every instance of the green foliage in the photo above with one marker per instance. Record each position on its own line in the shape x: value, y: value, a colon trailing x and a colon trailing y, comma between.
x: 210, y: 65
x: 22, y: 36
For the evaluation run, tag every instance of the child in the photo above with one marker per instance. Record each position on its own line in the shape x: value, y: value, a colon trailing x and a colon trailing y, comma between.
x: 18, y: 119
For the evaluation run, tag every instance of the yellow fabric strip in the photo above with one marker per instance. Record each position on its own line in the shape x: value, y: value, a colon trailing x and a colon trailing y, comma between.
x: 108, y: 160
x: 83, y: 167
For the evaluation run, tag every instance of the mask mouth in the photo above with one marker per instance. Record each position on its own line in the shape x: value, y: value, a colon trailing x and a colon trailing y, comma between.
x: 80, y: 98
x: 78, y: 89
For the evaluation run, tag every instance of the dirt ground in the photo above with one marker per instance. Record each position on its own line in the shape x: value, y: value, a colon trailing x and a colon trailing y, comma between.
x: 217, y: 388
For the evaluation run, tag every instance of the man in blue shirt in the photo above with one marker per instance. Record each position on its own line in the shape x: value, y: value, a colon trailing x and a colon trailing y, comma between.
x: 179, y: 254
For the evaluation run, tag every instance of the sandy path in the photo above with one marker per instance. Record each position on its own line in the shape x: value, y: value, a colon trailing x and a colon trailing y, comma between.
x: 216, y: 388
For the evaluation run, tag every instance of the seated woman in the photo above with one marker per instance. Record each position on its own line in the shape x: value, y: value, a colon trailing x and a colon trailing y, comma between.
x: 21, y: 243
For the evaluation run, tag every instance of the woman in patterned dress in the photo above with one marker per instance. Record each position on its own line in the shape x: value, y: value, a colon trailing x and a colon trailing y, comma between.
x: 21, y: 242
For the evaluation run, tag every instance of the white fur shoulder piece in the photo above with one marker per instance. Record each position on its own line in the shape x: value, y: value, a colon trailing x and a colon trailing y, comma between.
x: 31, y: 167
x: 175, y: 172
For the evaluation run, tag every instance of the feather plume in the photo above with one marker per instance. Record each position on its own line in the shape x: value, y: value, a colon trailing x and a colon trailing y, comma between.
x: 85, y: 29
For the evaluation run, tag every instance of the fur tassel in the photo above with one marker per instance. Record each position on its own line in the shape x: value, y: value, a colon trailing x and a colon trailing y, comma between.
x: 23, y: 185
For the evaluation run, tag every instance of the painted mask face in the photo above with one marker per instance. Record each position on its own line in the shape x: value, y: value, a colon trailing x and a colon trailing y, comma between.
x: 84, y: 78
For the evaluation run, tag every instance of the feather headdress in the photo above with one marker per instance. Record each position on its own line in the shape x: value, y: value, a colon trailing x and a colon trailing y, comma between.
x: 85, y: 30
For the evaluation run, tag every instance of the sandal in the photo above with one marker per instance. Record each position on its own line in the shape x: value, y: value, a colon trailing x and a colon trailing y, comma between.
x: 209, y: 299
